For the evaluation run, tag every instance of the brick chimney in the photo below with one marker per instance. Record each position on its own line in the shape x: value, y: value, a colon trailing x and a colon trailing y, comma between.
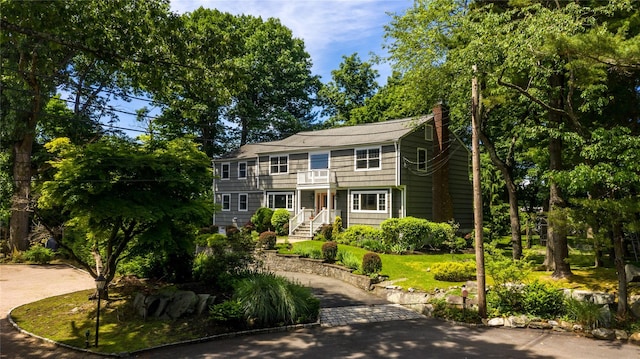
x: 442, y: 205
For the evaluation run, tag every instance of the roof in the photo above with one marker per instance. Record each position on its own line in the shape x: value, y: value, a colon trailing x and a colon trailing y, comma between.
x: 359, y: 135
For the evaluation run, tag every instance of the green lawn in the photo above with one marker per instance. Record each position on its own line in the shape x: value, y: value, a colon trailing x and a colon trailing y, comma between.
x: 66, y: 319
x: 412, y: 270
x: 407, y: 271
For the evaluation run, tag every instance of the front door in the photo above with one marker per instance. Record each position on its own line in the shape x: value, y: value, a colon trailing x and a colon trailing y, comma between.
x: 321, y: 201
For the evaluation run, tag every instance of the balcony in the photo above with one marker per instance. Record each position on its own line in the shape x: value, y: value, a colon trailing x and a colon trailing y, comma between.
x: 316, y: 179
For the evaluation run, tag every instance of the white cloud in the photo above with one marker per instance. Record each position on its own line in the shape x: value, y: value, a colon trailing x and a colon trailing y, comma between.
x: 329, y: 28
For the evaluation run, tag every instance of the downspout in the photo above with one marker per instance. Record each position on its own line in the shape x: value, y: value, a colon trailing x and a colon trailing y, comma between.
x: 213, y: 190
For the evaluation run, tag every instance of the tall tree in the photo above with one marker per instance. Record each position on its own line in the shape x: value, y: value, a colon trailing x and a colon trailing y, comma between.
x: 254, y: 82
x: 352, y: 83
x: 611, y: 175
x: 47, y: 45
x: 125, y: 194
x: 526, y: 63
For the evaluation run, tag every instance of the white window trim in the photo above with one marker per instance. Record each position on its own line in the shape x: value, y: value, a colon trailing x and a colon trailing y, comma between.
x: 293, y: 199
x: 279, y: 173
x: 222, y: 197
x: 319, y: 153
x: 378, y: 193
x: 355, y: 158
x: 240, y: 195
x: 428, y: 132
x: 228, y: 164
x: 246, y: 170
x: 418, y: 159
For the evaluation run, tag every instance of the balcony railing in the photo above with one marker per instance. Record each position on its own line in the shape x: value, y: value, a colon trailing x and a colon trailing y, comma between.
x: 315, y: 177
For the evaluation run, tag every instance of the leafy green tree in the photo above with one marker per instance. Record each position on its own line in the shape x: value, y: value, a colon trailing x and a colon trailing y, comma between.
x: 352, y: 83
x: 245, y: 79
x: 124, y: 195
x: 536, y: 61
x: 276, y: 97
x: 74, y: 45
x: 611, y: 176
x: 388, y: 103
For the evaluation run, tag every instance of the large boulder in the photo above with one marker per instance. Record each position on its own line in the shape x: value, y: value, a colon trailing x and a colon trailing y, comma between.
x: 632, y: 272
x: 181, y: 303
x: 603, y: 334
x: 634, y: 306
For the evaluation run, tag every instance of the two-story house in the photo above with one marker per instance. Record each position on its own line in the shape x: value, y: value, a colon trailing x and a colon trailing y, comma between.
x: 365, y: 174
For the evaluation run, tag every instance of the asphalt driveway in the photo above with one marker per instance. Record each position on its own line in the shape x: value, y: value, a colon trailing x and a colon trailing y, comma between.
x: 415, y: 338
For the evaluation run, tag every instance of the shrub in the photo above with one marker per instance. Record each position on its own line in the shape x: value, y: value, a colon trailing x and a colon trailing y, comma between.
x: 327, y: 232
x: 228, y: 313
x: 268, y: 300
x: 505, y: 296
x: 542, y: 300
x: 373, y: 245
x: 262, y: 219
x: 38, y: 254
x: 441, y: 235
x: 225, y: 258
x: 454, y: 271
x: 308, y: 252
x: 330, y: 251
x: 279, y: 218
x: 589, y: 314
x: 215, y: 238
x: 336, y: 227
x: 408, y: 233
x: 348, y: 259
x: 371, y: 263
x: 267, y: 240
x: 354, y: 235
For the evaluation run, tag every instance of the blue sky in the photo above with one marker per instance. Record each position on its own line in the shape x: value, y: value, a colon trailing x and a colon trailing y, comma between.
x: 329, y: 29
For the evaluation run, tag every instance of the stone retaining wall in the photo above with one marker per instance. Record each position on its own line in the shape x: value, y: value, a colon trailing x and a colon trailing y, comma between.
x: 294, y: 263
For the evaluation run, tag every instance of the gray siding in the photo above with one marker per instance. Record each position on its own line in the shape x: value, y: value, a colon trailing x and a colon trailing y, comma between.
x: 225, y: 218
x: 343, y: 164
x: 235, y: 184
x: 414, y: 186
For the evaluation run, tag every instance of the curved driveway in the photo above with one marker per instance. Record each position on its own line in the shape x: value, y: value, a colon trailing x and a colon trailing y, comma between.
x: 418, y: 338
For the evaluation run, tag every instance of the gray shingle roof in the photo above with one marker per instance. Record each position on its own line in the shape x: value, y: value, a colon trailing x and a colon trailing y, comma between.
x: 359, y: 135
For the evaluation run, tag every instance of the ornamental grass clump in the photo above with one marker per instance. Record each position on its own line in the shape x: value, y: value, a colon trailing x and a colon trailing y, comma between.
x: 270, y: 300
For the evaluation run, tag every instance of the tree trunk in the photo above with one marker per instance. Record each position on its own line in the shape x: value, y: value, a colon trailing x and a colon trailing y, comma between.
x: 514, y: 216
x: 556, y: 232
x: 477, y: 195
x: 618, y: 247
x: 20, y: 201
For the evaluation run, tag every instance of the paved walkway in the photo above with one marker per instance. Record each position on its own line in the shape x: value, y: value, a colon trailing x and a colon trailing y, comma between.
x: 331, y: 317
x: 343, y: 304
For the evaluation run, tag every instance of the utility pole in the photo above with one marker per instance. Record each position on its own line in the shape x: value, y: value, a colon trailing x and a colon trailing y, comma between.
x: 477, y: 193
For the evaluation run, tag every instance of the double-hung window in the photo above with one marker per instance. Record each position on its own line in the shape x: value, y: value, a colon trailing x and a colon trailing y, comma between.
x: 226, y: 201
x: 225, y: 171
x: 242, y: 170
x: 278, y: 164
x: 243, y: 202
x: 319, y: 161
x: 367, y: 158
x: 422, y: 159
x: 369, y: 201
x: 277, y: 200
